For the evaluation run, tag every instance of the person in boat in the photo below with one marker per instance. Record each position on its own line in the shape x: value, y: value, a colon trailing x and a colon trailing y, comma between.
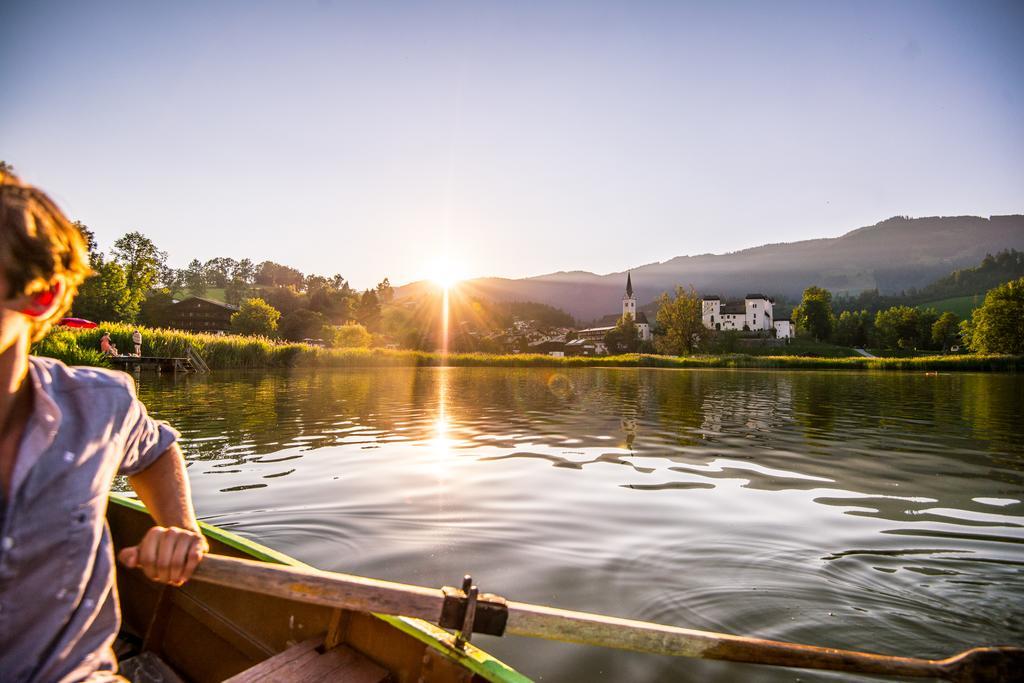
x: 65, y: 433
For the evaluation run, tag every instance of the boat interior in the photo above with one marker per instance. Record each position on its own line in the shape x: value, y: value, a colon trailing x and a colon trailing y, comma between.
x: 206, y: 633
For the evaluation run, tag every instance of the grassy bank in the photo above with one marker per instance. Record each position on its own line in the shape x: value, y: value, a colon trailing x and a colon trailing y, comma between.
x: 796, y: 347
x: 80, y: 347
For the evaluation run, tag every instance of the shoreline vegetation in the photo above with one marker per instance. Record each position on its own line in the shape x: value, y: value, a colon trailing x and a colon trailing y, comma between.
x: 235, y: 352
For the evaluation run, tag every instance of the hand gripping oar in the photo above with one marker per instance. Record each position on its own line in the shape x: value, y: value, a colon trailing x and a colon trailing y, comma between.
x: 453, y: 608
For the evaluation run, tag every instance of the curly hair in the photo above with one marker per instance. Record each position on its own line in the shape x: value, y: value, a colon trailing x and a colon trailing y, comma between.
x: 39, y: 247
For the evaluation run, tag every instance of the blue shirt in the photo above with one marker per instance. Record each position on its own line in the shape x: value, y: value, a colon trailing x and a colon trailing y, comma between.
x: 58, y: 599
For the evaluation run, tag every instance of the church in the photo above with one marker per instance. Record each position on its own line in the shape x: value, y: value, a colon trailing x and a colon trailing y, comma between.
x: 643, y: 327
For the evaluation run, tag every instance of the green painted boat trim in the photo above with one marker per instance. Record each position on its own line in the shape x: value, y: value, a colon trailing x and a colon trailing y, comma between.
x: 472, y: 658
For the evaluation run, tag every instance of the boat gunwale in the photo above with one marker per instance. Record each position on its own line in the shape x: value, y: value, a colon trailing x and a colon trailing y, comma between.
x: 471, y: 657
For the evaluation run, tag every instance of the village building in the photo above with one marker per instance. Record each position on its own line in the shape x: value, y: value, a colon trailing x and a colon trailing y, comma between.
x: 551, y: 347
x: 594, y: 333
x: 753, y: 314
x: 784, y: 329
x: 585, y: 347
x: 197, y: 314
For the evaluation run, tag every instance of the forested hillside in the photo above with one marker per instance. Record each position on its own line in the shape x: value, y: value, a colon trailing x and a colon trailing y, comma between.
x: 965, y: 283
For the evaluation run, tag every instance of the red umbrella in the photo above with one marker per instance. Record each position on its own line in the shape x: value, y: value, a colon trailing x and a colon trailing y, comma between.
x: 77, y: 322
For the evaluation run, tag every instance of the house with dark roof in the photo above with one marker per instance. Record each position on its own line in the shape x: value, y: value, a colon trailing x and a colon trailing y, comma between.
x: 198, y: 314
x: 585, y: 347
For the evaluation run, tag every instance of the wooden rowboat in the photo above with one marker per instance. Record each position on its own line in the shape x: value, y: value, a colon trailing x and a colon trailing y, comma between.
x: 252, y: 614
x: 206, y: 632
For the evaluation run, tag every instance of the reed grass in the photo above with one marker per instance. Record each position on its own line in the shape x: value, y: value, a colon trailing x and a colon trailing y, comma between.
x: 223, y: 352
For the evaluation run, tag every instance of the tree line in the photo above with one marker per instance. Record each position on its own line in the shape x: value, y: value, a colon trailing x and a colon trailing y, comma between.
x: 134, y: 283
x: 997, y: 326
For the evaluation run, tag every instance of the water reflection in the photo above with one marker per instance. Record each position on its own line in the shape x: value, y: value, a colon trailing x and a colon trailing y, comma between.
x: 876, y: 511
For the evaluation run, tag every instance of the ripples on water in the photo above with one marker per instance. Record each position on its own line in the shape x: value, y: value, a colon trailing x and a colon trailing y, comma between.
x: 871, y: 511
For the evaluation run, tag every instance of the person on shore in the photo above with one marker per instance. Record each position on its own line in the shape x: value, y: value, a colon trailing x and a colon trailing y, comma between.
x: 106, y: 348
x: 65, y: 433
x: 137, y: 341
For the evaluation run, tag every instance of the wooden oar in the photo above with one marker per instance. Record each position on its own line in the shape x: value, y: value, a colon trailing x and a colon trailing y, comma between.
x: 979, y: 665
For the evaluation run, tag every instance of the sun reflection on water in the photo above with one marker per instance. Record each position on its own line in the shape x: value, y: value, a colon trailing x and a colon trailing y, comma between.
x: 441, y: 444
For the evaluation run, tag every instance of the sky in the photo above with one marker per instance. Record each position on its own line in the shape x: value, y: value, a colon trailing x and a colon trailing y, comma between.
x: 401, y: 139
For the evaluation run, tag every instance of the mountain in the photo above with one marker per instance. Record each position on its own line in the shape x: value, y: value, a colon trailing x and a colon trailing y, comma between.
x: 893, y: 255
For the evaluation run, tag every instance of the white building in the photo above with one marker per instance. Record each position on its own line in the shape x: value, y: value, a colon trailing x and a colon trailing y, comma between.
x: 784, y: 329
x: 753, y: 314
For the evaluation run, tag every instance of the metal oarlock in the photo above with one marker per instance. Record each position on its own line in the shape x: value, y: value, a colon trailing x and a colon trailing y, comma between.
x: 470, y: 611
x: 465, y: 634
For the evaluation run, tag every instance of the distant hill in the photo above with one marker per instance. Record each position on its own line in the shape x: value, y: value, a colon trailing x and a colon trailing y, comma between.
x: 894, y: 255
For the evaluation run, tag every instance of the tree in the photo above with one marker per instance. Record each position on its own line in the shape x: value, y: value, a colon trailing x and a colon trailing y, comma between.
x: 335, y: 304
x: 218, y: 271
x: 195, y: 278
x: 236, y: 290
x: 244, y: 270
x: 173, y: 279
x: 898, y: 327
x: 352, y: 335
x: 946, y: 331
x: 256, y: 316
x: 814, y: 314
x: 105, y: 297
x: 925, y: 321
x: 89, y: 236
x: 338, y: 282
x: 140, y: 259
x: 622, y: 338
x: 274, y: 274
x: 385, y: 292
x: 997, y: 326
x: 853, y: 328
x: 303, y: 324
x: 368, y: 310
x: 285, y: 299
x: 239, y: 285
x: 680, y: 323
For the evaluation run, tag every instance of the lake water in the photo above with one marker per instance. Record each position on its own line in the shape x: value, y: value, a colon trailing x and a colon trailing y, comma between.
x: 875, y: 511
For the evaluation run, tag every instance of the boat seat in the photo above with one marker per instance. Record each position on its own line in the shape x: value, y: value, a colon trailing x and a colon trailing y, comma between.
x: 309, y: 662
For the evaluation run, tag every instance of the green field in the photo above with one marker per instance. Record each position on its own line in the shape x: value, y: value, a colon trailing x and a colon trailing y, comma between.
x: 215, y: 293
x: 960, y: 305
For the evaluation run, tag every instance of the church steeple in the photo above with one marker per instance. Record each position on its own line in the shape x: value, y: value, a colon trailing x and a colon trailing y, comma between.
x: 628, y: 302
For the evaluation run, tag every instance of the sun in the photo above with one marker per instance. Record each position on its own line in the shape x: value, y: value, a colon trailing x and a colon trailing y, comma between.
x: 445, y: 272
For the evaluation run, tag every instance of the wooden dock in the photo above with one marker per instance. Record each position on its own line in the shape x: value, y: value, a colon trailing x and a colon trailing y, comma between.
x: 158, y: 363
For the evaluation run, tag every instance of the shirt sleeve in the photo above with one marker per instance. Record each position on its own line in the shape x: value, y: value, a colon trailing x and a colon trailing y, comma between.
x: 146, y: 439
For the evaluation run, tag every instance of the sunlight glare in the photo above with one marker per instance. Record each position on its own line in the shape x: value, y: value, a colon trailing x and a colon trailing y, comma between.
x: 445, y: 272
